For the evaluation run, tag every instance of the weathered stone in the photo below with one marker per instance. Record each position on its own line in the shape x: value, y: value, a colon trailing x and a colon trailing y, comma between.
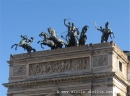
x: 91, y: 69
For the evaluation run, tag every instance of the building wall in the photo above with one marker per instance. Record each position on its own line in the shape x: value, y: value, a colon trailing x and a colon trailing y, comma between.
x: 128, y: 71
x: 92, y: 68
x: 116, y: 66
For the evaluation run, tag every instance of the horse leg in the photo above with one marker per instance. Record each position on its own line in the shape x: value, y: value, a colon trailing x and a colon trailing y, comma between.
x: 60, y: 46
x: 34, y: 50
x: 113, y: 35
x: 14, y: 45
x: 42, y: 46
x: 77, y: 41
x: 84, y: 41
x: 52, y: 47
x: 106, y: 39
x: 38, y: 41
x: 102, y: 39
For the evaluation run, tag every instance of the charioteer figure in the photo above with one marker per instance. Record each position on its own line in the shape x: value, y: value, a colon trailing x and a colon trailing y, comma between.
x: 68, y: 27
x: 75, y: 32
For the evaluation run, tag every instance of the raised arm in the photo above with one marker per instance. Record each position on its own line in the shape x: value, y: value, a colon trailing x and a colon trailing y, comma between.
x: 65, y: 23
x: 99, y: 29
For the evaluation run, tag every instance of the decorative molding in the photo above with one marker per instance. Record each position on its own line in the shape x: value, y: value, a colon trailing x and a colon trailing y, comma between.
x: 19, y: 70
x: 120, y: 52
x: 109, y: 79
x: 99, y: 80
x: 101, y: 51
x: 58, y: 81
x: 100, y: 60
x: 59, y: 66
x: 17, y: 77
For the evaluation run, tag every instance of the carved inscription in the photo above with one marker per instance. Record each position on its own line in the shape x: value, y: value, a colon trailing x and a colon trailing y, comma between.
x: 100, y: 60
x: 59, y: 66
x: 19, y: 70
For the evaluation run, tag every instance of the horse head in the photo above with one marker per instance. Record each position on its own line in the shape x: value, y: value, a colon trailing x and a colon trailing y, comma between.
x: 83, y: 36
x: 24, y: 37
x: 41, y: 34
x: 31, y: 40
x: 51, y: 31
x: 85, y: 28
x: 46, y: 36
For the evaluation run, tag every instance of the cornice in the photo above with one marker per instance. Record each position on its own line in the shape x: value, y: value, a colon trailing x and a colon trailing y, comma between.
x: 120, y: 53
x: 58, y: 81
x: 124, y: 81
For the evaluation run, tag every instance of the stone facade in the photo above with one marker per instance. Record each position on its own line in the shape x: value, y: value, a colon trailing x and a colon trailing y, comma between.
x: 90, y: 70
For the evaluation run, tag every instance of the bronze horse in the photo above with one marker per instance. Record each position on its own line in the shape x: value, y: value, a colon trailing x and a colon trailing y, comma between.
x: 83, y: 36
x: 53, y: 36
x: 25, y: 44
x: 46, y: 41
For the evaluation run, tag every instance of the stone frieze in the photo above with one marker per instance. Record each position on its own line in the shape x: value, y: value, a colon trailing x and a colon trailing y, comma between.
x: 19, y: 70
x: 100, y: 60
x: 59, y: 66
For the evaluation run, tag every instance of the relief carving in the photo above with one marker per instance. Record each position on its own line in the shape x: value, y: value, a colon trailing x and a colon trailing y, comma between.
x: 59, y: 66
x: 19, y: 70
x: 55, y: 67
x: 100, y: 60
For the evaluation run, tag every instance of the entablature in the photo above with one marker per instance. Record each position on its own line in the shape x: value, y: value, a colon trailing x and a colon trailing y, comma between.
x: 58, y: 81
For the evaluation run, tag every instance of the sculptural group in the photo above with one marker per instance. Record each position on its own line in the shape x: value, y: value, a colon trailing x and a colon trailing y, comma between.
x: 106, y: 32
x: 73, y: 37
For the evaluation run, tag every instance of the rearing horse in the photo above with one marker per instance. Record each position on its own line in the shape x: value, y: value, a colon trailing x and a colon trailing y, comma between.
x: 22, y: 43
x: 59, y: 43
x: 83, y: 36
x: 46, y: 40
x: 107, y: 33
x: 25, y: 43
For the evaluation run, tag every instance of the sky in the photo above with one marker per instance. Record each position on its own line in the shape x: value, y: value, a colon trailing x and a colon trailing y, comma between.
x: 31, y: 17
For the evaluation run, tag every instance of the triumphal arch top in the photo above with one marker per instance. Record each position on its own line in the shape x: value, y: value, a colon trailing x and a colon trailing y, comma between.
x: 87, y: 70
